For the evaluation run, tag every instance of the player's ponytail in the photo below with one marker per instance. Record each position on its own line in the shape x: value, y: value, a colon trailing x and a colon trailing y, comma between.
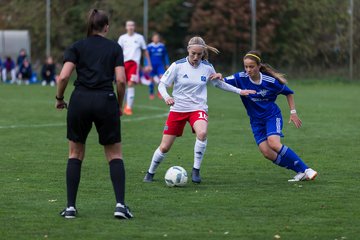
x: 198, y: 41
x: 97, y: 20
x: 264, y: 67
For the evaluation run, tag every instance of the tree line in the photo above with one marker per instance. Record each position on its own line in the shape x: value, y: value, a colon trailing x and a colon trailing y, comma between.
x: 297, y: 35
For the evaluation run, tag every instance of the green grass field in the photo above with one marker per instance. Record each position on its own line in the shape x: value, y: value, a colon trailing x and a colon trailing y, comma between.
x: 243, y: 196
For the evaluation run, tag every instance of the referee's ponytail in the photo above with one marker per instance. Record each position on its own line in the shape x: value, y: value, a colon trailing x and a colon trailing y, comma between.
x: 97, y: 20
x: 264, y: 67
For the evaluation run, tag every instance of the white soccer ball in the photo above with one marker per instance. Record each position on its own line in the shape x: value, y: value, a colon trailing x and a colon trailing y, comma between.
x: 176, y: 176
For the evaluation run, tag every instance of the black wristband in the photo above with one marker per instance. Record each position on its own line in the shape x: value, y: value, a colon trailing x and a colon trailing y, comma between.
x: 59, y: 98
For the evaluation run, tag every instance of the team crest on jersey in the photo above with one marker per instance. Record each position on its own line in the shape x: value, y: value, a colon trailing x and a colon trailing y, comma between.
x: 203, y: 78
x: 185, y: 76
x: 263, y: 92
x: 166, y: 73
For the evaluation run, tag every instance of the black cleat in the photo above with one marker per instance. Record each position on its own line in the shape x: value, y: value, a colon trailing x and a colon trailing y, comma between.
x: 69, y: 212
x: 122, y: 212
x: 196, y: 175
x: 149, y: 177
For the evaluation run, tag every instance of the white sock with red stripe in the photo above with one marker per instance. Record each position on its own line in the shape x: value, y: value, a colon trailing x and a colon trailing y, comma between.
x: 199, y: 151
x: 130, y: 95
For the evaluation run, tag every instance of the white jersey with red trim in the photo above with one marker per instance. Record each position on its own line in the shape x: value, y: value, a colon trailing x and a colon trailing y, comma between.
x: 132, y: 46
x: 190, y: 85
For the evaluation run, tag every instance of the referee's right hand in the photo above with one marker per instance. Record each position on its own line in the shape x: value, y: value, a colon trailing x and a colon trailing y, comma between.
x: 60, y: 104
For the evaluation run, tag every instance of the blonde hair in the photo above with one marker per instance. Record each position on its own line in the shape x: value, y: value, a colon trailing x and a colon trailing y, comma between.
x: 130, y: 22
x: 198, y: 41
x: 264, y: 67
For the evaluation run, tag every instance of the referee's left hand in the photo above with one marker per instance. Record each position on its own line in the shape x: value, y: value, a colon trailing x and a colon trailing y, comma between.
x: 60, y: 104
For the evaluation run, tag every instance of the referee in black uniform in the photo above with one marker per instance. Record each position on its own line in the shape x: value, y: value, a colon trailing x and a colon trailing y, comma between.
x: 97, y: 60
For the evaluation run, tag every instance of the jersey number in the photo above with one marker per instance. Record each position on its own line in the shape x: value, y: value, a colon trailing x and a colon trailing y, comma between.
x: 203, y: 115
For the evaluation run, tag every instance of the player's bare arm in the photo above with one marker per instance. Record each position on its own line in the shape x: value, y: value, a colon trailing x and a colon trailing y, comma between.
x: 293, y: 114
x: 147, y: 56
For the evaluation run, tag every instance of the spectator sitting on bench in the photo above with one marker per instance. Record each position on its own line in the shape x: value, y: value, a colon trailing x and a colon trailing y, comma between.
x: 48, y: 72
x: 8, y: 67
x: 25, y: 72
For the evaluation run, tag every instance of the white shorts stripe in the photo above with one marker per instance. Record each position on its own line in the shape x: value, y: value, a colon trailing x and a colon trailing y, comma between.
x: 278, y: 125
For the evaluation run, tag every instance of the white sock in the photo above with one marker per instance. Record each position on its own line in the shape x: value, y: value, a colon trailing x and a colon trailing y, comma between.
x: 13, y: 75
x: 199, y: 151
x: 130, y: 96
x: 4, y: 75
x: 157, y: 158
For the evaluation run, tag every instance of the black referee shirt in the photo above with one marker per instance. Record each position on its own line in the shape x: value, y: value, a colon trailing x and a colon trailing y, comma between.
x: 95, y: 58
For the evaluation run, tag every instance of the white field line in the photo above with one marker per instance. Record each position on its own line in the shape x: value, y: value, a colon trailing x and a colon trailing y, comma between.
x: 149, y: 107
x: 145, y: 117
x: 53, y: 103
x: 64, y: 124
x: 33, y: 125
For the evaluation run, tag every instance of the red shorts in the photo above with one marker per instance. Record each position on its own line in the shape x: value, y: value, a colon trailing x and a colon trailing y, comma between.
x: 176, y: 121
x: 131, y: 71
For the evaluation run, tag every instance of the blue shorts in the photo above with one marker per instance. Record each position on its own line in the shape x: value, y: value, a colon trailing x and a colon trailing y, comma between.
x: 262, y: 129
x: 157, y: 70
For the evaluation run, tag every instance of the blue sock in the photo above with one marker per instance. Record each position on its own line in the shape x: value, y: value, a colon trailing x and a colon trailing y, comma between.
x: 151, y: 88
x: 287, y: 158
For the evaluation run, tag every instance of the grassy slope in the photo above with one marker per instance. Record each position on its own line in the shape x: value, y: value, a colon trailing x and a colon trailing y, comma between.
x: 242, y: 195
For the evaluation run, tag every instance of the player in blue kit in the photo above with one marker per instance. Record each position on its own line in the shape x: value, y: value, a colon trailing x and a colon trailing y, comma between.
x: 159, y: 59
x: 265, y: 116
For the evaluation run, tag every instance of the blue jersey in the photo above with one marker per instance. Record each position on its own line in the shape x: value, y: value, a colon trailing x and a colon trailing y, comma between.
x: 262, y: 104
x: 26, y: 72
x: 20, y: 60
x: 158, y: 54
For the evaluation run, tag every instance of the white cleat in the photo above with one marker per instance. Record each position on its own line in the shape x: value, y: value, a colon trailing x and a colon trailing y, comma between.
x: 310, y: 174
x: 301, y: 176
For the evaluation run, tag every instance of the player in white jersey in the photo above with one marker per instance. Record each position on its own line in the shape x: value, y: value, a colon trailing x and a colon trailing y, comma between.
x: 132, y: 44
x: 189, y: 102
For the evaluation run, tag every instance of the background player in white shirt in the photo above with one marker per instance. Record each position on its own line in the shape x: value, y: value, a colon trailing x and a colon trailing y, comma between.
x: 132, y: 44
x: 189, y: 102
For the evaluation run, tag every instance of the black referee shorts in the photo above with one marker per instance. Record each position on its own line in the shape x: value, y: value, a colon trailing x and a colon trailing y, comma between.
x: 93, y: 106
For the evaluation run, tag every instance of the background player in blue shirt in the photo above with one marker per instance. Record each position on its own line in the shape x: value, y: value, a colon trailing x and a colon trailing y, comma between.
x: 159, y: 59
x: 265, y: 116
